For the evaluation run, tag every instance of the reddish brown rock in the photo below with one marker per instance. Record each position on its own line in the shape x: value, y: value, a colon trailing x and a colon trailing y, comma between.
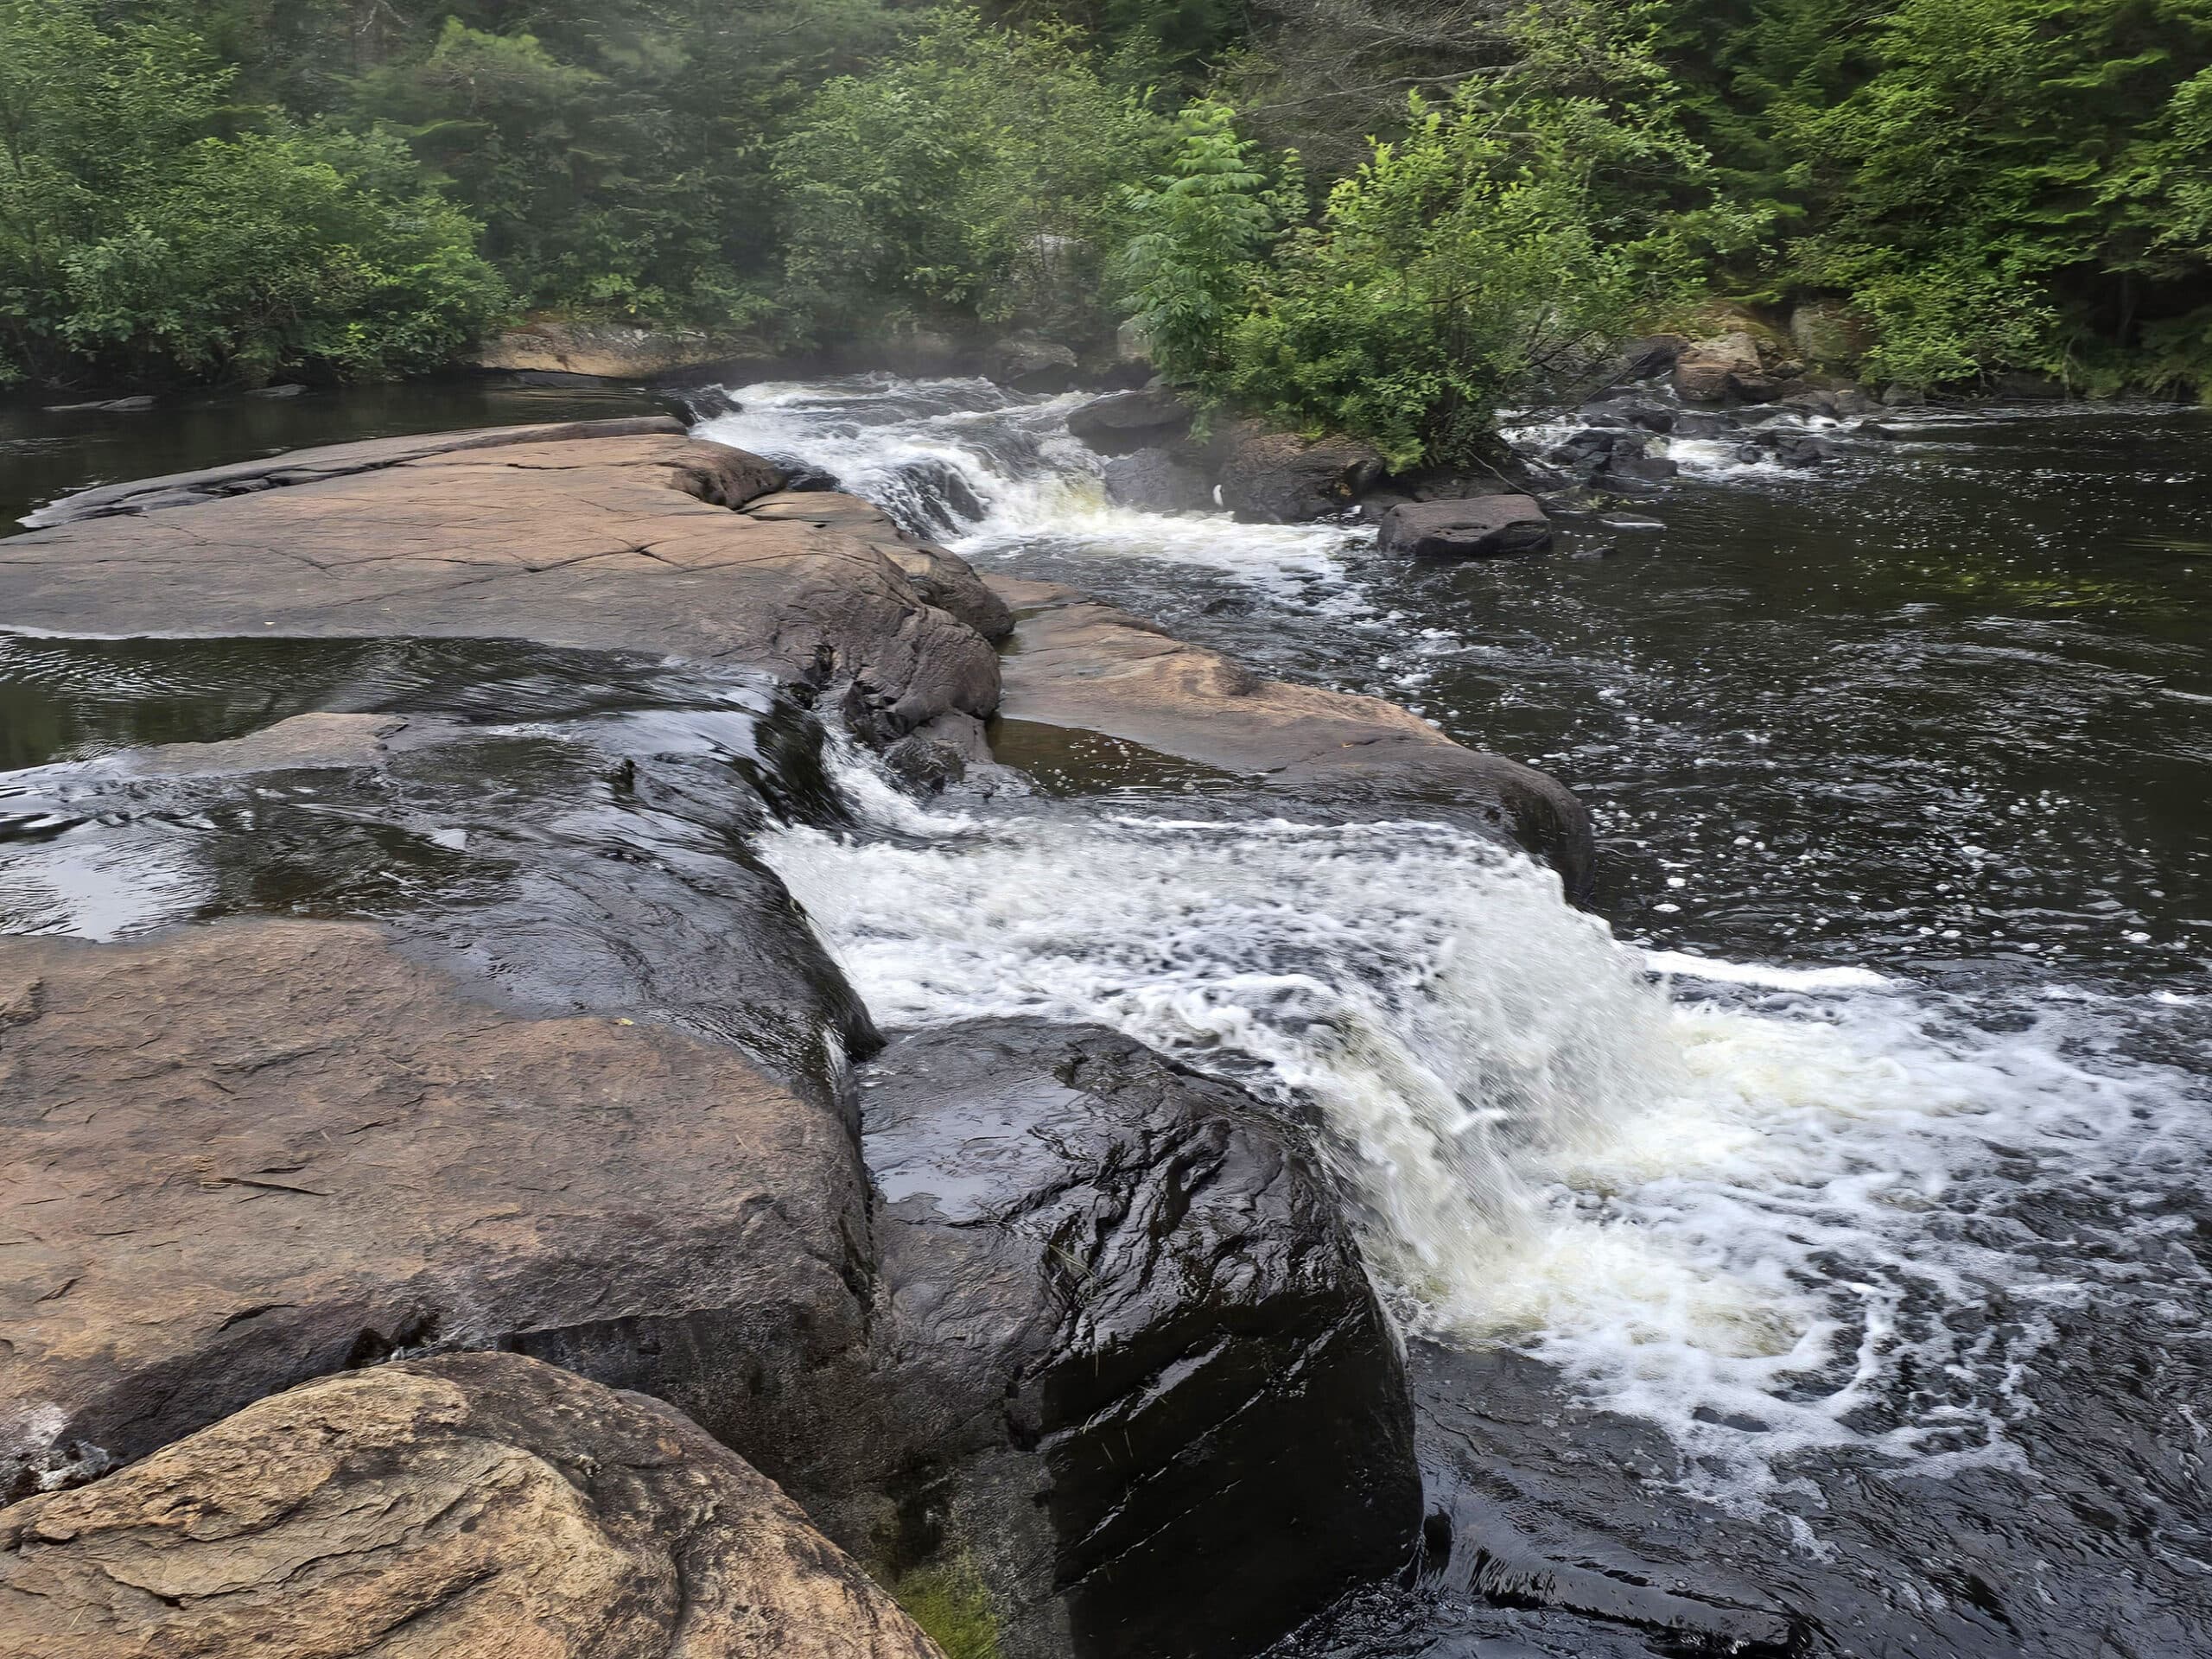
x: 621, y: 542
x: 1077, y: 663
x: 240, y: 1156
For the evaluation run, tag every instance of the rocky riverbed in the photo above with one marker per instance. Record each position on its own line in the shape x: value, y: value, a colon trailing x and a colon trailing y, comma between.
x: 419, y: 993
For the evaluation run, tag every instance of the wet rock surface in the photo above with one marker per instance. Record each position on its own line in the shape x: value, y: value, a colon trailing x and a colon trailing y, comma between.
x: 1280, y: 478
x: 600, y: 542
x: 1485, y: 527
x: 244, y: 1155
x: 1143, y: 1390
x: 461, y: 1508
x: 1076, y: 662
x: 1124, y: 421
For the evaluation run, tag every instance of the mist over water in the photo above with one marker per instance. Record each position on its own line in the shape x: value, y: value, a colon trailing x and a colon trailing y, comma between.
x: 1813, y: 1197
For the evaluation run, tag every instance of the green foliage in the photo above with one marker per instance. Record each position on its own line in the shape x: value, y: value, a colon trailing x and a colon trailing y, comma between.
x: 134, y: 235
x: 949, y: 1602
x: 1193, y: 264
x: 1502, y: 241
x: 978, y: 175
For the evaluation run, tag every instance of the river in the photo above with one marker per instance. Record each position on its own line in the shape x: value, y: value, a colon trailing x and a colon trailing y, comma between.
x: 1810, y: 1233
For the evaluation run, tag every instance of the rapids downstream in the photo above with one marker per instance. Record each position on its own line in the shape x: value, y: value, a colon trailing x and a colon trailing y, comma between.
x: 1816, y: 1224
x: 1802, y: 1249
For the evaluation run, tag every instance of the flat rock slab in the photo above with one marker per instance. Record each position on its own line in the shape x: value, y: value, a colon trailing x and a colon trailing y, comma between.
x: 244, y: 1155
x: 481, y: 1506
x: 622, y: 542
x: 1075, y: 662
x: 1479, y: 527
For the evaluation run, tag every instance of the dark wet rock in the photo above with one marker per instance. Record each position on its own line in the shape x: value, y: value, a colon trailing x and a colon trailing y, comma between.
x: 621, y: 541
x: 1608, y: 454
x: 1800, y: 449
x: 2026, y: 386
x: 1029, y: 362
x: 1648, y: 356
x: 1486, y: 527
x: 285, y: 388
x: 1122, y: 422
x: 1900, y: 396
x: 480, y: 1506
x: 1279, y: 478
x: 1159, y: 480
x: 1077, y: 663
x: 1699, y: 423
x: 310, y: 1152
x: 1144, y: 1391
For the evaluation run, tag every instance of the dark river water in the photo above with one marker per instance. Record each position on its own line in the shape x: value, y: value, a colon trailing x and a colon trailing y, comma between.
x: 1803, y: 1250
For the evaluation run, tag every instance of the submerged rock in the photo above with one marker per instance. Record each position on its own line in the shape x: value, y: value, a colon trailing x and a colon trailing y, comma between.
x: 1483, y: 527
x: 1145, y: 1396
x: 481, y: 1506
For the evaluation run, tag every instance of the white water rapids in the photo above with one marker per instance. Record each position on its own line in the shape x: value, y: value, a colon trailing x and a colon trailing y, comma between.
x: 1768, y: 1208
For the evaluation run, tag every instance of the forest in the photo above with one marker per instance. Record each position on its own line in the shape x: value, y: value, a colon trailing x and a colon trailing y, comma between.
x: 1381, y: 217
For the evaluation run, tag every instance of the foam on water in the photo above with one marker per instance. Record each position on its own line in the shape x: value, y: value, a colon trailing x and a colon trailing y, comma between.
x: 990, y: 472
x: 1745, y: 1221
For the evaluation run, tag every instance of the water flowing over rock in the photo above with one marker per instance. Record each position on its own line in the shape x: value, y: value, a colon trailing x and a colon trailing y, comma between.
x: 599, y: 542
x: 478, y: 1507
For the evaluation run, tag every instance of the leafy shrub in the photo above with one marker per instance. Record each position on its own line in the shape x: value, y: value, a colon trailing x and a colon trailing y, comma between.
x: 135, y: 237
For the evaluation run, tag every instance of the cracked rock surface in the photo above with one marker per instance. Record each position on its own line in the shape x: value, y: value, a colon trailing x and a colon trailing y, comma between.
x: 1139, y: 1384
x: 481, y: 1506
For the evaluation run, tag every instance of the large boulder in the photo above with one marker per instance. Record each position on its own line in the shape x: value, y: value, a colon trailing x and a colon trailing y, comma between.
x: 1146, y: 1402
x: 239, y: 1156
x: 1159, y: 480
x: 1726, y: 367
x: 1483, y: 527
x: 1829, y: 334
x: 1028, y: 362
x: 481, y: 1506
x: 1080, y: 663
x: 1279, y: 478
x: 1124, y: 421
x: 623, y: 542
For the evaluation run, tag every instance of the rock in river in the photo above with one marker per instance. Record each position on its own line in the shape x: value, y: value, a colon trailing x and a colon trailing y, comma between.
x: 1482, y: 527
x: 239, y: 1156
x: 638, y: 539
x: 1127, y: 1326
x: 481, y: 1506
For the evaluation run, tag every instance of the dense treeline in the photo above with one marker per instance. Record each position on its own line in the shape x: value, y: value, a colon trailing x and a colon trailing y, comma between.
x: 1382, y: 216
